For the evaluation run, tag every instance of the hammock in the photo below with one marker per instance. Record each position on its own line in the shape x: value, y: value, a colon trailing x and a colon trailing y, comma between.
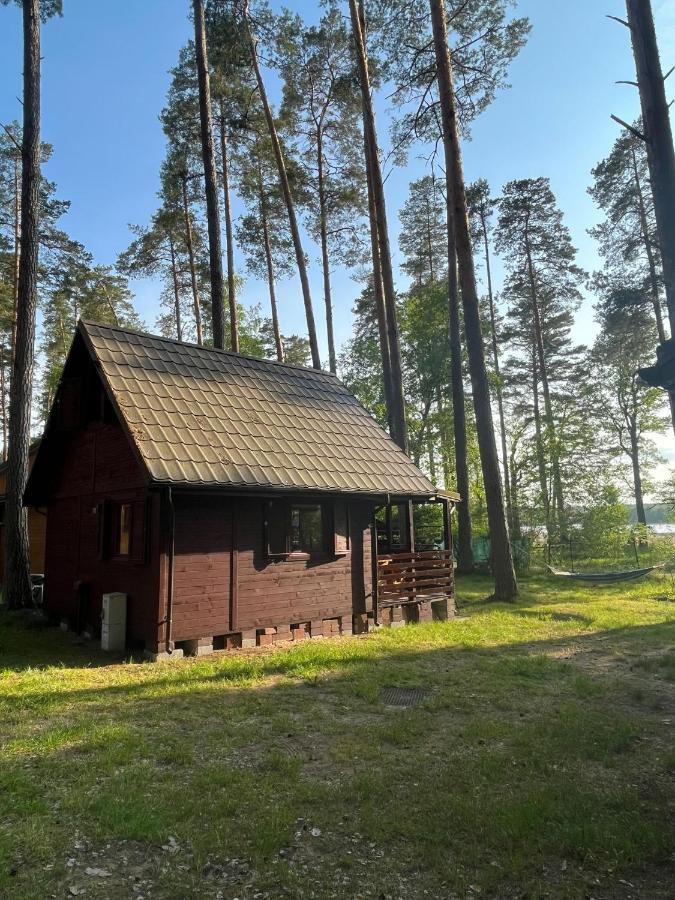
x: 605, y: 577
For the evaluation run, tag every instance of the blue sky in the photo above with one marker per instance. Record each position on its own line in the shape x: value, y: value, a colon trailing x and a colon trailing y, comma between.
x: 105, y: 79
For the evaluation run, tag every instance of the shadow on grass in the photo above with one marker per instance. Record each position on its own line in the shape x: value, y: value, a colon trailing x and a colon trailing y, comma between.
x: 516, y: 757
x: 367, y: 664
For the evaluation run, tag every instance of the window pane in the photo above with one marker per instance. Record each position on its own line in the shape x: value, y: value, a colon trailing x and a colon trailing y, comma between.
x: 124, y: 537
x: 306, y: 528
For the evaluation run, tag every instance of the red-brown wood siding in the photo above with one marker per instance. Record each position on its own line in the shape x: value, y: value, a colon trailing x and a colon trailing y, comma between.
x: 268, y: 592
x: 97, y: 463
x: 202, y: 567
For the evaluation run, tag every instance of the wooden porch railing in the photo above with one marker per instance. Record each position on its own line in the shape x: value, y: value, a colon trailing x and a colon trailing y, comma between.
x: 413, y: 577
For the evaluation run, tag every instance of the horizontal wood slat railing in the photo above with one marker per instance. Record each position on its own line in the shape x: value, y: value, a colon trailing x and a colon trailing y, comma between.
x: 413, y: 577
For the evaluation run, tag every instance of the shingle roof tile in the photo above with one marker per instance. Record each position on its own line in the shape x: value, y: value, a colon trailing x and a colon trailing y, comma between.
x: 203, y: 416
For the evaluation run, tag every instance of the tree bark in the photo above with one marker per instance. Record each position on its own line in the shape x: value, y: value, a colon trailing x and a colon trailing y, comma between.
x: 3, y: 400
x: 288, y: 196
x: 444, y: 439
x: 325, y: 261
x: 17, y: 555
x: 400, y: 434
x: 495, y: 357
x: 210, y: 179
x: 637, y: 476
x: 539, y: 445
x: 196, y: 301
x: 270, y: 272
x: 430, y: 250
x: 551, y: 439
x: 651, y: 262
x: 17, y: 251
x: 463, y: 544
x: 506, y: 588
x: 176, y: 289
x: 659, y: 137
x: 229, y: 239
x: 378, y: 292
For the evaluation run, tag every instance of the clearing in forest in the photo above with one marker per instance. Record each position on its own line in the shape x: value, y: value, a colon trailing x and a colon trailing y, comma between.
x: 537, y: 760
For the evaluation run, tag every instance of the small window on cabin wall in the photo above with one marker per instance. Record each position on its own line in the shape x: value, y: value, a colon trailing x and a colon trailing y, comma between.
x: 341, y: 528
x: 123, y: 530
x: 306, y: 528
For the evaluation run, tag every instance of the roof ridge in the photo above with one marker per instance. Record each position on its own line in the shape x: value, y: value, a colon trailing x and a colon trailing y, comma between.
x: 158, y: 337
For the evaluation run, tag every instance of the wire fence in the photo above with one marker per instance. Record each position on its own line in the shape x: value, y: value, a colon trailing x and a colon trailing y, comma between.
x: 636, y: 549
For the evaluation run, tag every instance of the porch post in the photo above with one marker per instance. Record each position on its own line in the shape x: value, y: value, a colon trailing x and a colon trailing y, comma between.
x: 447, y: 529
x: 410, y: 526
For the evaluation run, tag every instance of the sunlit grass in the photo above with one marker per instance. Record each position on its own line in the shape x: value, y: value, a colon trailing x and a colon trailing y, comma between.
x: 541, y: 757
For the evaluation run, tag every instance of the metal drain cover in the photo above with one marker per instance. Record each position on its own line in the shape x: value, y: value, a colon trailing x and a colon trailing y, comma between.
x: 401, y: 696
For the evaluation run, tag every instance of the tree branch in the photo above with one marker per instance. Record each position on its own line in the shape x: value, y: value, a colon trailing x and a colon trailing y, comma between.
x: 638, y: 134
x: 620, y: 21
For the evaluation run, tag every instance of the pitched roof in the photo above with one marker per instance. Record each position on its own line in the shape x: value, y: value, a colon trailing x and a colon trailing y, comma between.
x: 199, y: 416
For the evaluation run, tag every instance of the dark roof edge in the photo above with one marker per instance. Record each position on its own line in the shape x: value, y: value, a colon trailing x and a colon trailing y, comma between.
x: 158, y: 337
x: 266, y: 489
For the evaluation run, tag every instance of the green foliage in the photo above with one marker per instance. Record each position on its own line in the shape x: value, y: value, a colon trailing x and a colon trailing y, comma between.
x: 605, y: 525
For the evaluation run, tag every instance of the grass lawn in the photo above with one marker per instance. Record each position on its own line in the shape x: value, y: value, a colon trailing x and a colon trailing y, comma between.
x: 540, y: 763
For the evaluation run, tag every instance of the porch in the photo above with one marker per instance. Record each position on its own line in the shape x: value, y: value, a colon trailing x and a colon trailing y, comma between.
x: 413, y: 568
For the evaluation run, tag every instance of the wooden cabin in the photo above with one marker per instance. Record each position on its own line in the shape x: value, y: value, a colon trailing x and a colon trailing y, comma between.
x: 234, y: 501
x: 37, y: 524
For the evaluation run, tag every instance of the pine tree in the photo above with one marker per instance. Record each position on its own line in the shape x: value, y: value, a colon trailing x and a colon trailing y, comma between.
x: 285, y: 186
x: 481, y: 209
x: 629, y: 410
x: 383, y: 273
x: 156, y: 252
x: 211, y: 187
x: 231, y: 83
x: 17, y: 561
x: 78, y: 288
x: 627, y: 238
x: 542, y: 287
x: 320, y: 111
x: 459, y: 243
x: 422, y: 238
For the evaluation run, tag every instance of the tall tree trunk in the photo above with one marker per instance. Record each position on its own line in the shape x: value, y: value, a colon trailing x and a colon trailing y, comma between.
x: 288, y: 196
x: 3, y: 400
x: 651, y: 262
x: 17, y: 252
x: 515, y: 500
x: 649, y: 250
x: 17, y: 556
x: 539, y: 445
x: 445, y: 459
x: 430, y: 250
x: 400, y: 435
x: 196, y: 301
x: 463, y: 544
x: 506, y: 588
x: 229, y: 239
x: 176, y: 288
x: 378, y: 292
x: 659, y: 137
x: 495, y: 357
x: 269, y: 261
x: 431, y: 451
x: 551, y: 438
x: 210, y: 179
x: 637, y: 475
x: 325, y: 261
